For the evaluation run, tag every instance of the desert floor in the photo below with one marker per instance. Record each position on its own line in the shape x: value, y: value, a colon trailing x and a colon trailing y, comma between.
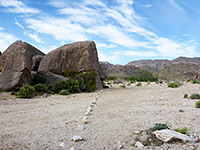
x: 44, y: 123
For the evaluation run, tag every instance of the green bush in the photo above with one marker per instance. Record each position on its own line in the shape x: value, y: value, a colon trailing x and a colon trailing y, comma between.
x: 139, y: 84
x: 182, y: 130
x: 197, y: 104
x: 148, y: 82
x: 72, y: 85
x: 64, y: 92
x: 26, y: 91
x: 143, y: 76
x: 195, y: 81
x: 69, y: 73
x: 159, y: 126
x: 57, y: 87
x: 40, y: 87
x: 186, y: 96
x: 195, y: 96
x: 173, y: 85
x: 111, y: 78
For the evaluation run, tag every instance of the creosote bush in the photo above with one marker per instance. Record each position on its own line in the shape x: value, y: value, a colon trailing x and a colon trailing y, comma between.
x: 26, y: 91
x: 186, y: 96
x: 173, y: 85
x: 195, y: 81
x: 111, y: 78
x: 64, y: 92
x: 197, y: 104
x: 143, y: 76
x: 139, y: 84
x: 40, y: 88
x: 148, y: 82
x: 159, y: 126
x: 182, y: 130
x: 195, y: 96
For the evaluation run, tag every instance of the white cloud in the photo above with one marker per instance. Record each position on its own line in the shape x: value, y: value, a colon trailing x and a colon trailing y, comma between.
x: 110, y: 58
x: 136, y: 53
x: 146, y: 5
x: 5, y: 40
x: 61, y: 29
x: 18, y: 24
x: 16, y: 6
x: 176, y: 5
x: 105, y: 46
x: 35, y: 37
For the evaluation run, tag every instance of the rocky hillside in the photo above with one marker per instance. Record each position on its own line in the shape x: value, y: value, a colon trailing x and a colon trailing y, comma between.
x: 179, y: 71
x: 157, y: 65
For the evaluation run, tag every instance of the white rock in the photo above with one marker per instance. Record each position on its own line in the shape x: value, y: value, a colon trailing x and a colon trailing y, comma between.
x: 89, y: 109
x: 167, y: 135
x: 84, y: 121
x: 139, y: 145
x: 80, y: 127
x: 62, y: 144
x: 88, y: 113
x: 72, y: 148
x: 85, y: 118
x: 77, y: 138
x: 94, y: 102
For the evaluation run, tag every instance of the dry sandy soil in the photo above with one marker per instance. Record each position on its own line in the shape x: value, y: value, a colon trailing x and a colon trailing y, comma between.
x: 44, y: 123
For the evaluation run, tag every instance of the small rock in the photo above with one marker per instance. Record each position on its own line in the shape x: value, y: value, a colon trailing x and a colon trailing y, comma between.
x: 94, y: 102
x: 45, y: 95
x: 120, y: 146
x: 80, y: 127
x: 181, y: 110
x: 92, y: 105
x: 89, y: 109
x: 88, y: 113
x: 139, y: 145
x: 77, y: 138
x: 62, y: 144
x: 136, y: 132
x: 72, y: 148
x: 84, y: 120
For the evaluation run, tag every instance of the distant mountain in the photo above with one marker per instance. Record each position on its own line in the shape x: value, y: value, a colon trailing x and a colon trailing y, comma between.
x: 179, y: 71
x: 179, y: 68
x: 156, y: 65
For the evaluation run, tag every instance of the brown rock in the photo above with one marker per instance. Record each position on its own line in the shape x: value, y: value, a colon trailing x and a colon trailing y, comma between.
x: 78, y: 57
x: 17, y: 63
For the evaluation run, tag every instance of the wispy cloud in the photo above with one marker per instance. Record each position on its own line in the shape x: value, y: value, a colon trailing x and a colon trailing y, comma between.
x: 16, y: 6
x: 6, y: 39
x: 34, y: 37
x: 18, y: 24
x: 176, y: 5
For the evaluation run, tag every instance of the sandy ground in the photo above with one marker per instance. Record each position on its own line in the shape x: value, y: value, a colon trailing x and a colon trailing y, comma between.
x: 44, y: 123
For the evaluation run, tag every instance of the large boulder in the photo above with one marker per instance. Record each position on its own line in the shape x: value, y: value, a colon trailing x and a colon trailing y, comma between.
x: 77, y: 57
x: 17, y: 63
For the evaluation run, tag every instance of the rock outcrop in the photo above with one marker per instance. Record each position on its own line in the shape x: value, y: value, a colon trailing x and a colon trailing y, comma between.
x: 17, y: 63
x: 77, y: 57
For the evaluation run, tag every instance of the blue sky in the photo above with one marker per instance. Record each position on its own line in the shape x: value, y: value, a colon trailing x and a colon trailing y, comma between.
x: 124, y: 30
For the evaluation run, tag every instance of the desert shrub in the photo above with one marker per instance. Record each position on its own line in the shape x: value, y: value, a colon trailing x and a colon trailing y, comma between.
x: 197, y: 104
x: 195, y: 81
x: 13, y: 93
x: 148, y: 82
x: 129, y: 84
x: 26, y: 91
x: 186, y: 96
x: 123, y: 85
x: 133, y: 81
x: 69, y: 73
x: 87, y: 81
x: 159, y: 126
x: 57, y: 87
x: 111, y: 78
x: 64, y: 92
x: 195, y: 96
x: 72, y: 85
x: 139, y: 84
x: 182, y: 130
x: 40, y: 87
x: 143, y: 75
x: 173, y: 85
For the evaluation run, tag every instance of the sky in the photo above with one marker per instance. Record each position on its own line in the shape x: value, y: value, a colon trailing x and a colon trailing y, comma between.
x: 123, y: 30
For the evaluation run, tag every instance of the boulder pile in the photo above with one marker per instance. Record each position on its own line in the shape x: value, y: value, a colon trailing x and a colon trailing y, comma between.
x: 22, y: 63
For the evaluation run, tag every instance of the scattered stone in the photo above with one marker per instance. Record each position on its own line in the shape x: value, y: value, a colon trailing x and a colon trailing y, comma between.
x: 92, y: 105
x: 45, y: 95
x: 84, y: 120
x: 77, y: 138
x: 88, y: 113
x: 136, y: 132
x: 62, y: 144
x: 139, y: 145
x: 80, y: 127
x: 166, y: 135
x: 120, y: 146
x: 72, y: 148
x: 94, y: 102
x: 89, y: 109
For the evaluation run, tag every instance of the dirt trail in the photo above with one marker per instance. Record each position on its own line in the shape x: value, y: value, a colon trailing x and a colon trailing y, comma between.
x: 44, y: 123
